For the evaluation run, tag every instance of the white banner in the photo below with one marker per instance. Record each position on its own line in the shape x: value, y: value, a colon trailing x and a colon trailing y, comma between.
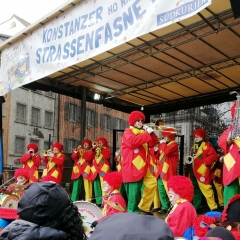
x: 88, y: 29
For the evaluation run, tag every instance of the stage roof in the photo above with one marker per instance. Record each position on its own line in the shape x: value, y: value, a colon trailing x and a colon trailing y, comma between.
x: 190, y: 63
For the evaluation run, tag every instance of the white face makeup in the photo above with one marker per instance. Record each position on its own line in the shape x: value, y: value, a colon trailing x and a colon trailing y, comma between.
x: 55, y: 150
x: 173, y: 197
x: 21, y: 180
x: 197, y: 138
x: 106, y: 187
x: 138, y: 124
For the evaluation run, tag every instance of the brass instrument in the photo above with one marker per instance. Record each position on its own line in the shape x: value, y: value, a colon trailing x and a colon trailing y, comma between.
x: 161, y: 128
x: 190, y: 158
x: 47, y: 153
x: 94, y: 145
x: 235, y: 134
x: 79, y: 149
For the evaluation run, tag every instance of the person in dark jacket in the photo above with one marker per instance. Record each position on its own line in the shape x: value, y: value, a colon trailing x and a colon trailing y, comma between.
x: 45, y: 212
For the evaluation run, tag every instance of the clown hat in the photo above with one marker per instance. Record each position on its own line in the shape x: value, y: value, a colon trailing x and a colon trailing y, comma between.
x: 33, y: 146
x: 134, y: 116
x: 200, y: 132
x: 103, y: 140
x: 57, y: 145
x: 114, y: 179
x: 21, y: 172
x: 182, y: 186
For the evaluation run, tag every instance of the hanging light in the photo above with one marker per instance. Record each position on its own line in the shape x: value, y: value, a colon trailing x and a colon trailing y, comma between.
x: 96, y: 96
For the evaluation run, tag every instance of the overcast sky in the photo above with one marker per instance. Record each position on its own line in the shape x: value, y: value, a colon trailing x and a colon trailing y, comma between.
x: 29, y: 10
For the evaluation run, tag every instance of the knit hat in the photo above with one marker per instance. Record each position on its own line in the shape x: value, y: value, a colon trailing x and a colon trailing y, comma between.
x: 134, y: 116
x: 233, y: 108
x: 57, y: 145
x: 129, y: 226
x: 21, y: 172
x: 182, y: 186
x: 87, y: 141
x: 220, y: 232
x: 200, y: 132
x: 32, y: 145
x: 114, y: 179
x: 103, y: 140
x: 42, y: 202
x: 169, y: 132
x: 232, y: 211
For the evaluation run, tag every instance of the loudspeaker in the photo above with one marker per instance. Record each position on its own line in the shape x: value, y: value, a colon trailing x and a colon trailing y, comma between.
x: 235, y: 4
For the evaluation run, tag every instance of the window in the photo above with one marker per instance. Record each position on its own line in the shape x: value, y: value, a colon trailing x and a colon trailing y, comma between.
x: 20, y: 145
x: 119, y: 124
x: 35, y: 141
x: 72, y: 112
x: 21, y: 112
x: 46, y: 145
x: 48, y: 120
x: 70, y: 144
x: 92, y: 118
x: 106, y: 122
x: 179, y: 129
x: 35, y: 118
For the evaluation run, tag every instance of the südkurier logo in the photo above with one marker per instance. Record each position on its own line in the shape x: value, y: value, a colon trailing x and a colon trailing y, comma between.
x: 183, y: 8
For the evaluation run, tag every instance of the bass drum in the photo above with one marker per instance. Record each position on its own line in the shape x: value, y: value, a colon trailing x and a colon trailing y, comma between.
x: 9, y: 201
x: 90, y: 213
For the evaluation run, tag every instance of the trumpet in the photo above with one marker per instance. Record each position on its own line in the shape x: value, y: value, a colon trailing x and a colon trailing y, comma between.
x: 47, y: 153
x: 94, y: 145
x: 190, y: 158
x: 161, y: 128
x: 79, y: 149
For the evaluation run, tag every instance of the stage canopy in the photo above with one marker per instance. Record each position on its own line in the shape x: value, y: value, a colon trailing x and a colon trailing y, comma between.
x: 179, y: 55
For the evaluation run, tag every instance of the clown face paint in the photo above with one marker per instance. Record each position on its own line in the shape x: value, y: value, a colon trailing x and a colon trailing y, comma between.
x: 138, y: 124
x: 106, y: 187
x: 173, y: 197
x: 21, y: 180
x: 197, y: 138
x: 55, y: 150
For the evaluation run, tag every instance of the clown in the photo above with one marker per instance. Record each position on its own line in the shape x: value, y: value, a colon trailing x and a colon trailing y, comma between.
x: 113, y: 202
x: 166, y: 165
x: 200, y: 170
x: 55, y: 164
x: 182, y: 214
x: 231, y: 164
x: 81, y: 173
x: 135, y: 166
x: 100, y: 167
x: 31, y: 161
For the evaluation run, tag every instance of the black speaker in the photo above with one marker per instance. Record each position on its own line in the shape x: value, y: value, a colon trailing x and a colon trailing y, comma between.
x: 235, y: 4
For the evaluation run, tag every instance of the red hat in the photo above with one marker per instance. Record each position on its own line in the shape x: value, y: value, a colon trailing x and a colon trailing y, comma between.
x: 114, y: 179
x: 134, y: 116
x: 87, y: 141
x: 21, y: 172
x: 57, y: 145
x: 48, y: 179
x: 32, y: 145
x: 200, y: 132
x: 182, y: 186
x: 103, y: 140
x: 233, y: 108
x: 169, y: 132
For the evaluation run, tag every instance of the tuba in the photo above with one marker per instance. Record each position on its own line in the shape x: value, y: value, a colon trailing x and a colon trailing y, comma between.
x: 190, y: 158
x: 235, y: 133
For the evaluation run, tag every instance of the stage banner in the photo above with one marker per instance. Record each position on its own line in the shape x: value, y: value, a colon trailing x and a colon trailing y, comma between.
x: 86, y: 30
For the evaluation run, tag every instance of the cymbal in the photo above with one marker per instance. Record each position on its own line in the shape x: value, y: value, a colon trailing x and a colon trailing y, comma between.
x: 5, y: 191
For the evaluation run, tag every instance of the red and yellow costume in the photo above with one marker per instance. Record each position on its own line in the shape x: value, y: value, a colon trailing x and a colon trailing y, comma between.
x: 182, y: 214
x: 82, y: 170
x: 231, y: 166
x: 166, y: 164
x: 100, y: 167
x: 135, y: 166
x: 200, y: 171
x: 55, y: 165
x: 31, y: 162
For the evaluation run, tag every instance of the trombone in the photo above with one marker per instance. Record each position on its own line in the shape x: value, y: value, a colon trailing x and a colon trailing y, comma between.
x: 47, y: 153
x: 161, y: 128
